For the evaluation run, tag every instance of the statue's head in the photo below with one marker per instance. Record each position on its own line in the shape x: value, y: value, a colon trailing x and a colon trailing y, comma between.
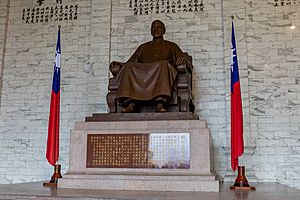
x: 158, y: 29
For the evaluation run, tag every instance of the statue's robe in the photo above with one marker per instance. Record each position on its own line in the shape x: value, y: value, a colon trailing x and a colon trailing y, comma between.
x: 150, y: 72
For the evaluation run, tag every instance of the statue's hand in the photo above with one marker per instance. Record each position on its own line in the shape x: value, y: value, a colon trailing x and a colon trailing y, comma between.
x: 180, y: 61
x: 115, y: 67
x: 114, y: 64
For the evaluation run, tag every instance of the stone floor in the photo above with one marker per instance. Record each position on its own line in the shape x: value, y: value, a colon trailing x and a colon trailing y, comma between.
x: 35, y: 190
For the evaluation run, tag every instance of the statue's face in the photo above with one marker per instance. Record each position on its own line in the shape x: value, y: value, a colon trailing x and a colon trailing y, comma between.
x: 157, y: 29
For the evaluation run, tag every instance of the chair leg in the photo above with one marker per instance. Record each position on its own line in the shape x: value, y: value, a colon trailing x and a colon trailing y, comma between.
x: 184, y: 100
x: 111, y: 102
x: 192, y: 106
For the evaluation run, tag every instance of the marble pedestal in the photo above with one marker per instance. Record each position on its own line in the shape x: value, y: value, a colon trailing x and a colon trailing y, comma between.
x: 199, y: 177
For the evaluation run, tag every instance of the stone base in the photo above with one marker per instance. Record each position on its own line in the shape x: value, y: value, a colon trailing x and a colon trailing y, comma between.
x: 199, y: 177
x: 140, y: 182
x: 231, y: 178
x: 98, y: 117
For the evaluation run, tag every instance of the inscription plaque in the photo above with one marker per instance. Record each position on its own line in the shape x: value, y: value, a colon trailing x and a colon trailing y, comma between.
x: 155, y: 150
x: 169, y: 150
x: 118, y: 150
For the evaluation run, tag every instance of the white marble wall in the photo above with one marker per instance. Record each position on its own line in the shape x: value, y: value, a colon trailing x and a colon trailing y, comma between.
x: 268, y: 53
x: 3, y: 30
x: 3, y: 26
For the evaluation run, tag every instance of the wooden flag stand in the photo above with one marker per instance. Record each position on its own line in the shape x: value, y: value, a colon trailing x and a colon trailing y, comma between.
x: 56, y: 175
x: 241, y: 182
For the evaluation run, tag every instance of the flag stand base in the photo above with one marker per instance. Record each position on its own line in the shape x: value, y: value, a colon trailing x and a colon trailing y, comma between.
x: 241, y: 182
x: 56, y: 175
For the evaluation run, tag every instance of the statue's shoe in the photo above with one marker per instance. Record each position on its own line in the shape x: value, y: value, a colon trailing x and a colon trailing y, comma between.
x: 129, y: 109
x: 160, y: 108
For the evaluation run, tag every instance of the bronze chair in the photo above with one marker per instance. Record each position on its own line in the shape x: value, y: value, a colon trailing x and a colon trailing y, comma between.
x: 182, y: 98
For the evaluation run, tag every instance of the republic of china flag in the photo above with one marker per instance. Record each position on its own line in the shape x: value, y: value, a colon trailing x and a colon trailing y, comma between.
x: 237, y: 142
x: 52, y: 151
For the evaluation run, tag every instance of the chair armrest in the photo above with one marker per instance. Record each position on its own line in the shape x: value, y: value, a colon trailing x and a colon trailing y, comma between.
x: 189, y: 64
x: 113, y: 84
x: 185, y: 68
x: 184, y: 79
x: 115, y: 67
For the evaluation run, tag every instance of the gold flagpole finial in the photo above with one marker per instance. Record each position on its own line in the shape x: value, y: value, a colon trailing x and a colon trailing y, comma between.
x: 232, y: 17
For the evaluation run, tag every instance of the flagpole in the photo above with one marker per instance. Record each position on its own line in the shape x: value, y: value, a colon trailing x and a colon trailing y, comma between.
x: 57, y: 166
x: 57, y: 162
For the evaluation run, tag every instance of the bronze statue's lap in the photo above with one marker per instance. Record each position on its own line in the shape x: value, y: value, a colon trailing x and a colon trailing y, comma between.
x: 145, y: 81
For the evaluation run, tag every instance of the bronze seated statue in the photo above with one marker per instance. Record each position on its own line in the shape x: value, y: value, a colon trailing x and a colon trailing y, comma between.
x: 157, y: 77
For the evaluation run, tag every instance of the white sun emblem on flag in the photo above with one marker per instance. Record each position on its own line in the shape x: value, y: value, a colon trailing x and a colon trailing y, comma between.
x: 232, y: 56
x: 57, y: 61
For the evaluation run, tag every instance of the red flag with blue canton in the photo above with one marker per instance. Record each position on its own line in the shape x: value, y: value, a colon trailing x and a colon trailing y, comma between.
x: 237, y: 141
x: 52, y: 151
